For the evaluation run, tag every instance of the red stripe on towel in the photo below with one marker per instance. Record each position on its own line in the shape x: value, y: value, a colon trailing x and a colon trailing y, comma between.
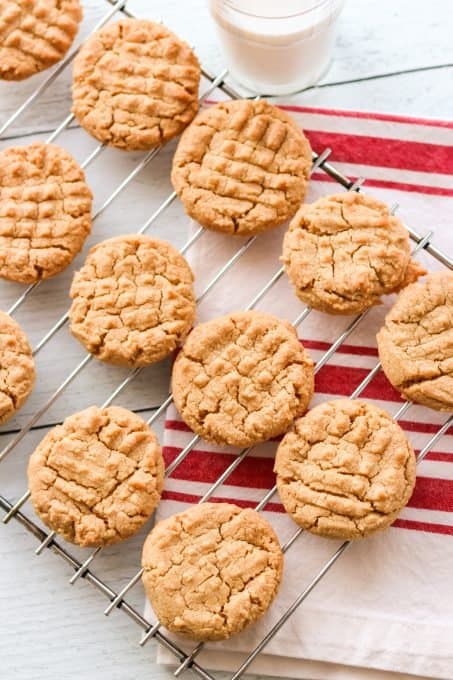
x: 430, y: 527
x: 384, y: 153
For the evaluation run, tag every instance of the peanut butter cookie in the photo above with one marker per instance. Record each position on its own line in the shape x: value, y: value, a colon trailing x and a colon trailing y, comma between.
x: 17, y: 368
x: 345, y: 470
x: 242, y: 167
x: 212, y: 570
x: 135, y: 85
x: 45, y: 211
x: 35, y: 35
x: 242, y: 378
x: 343, y: 252
x: 416, y: 342
x: 97, y: 478
x: 133, y: 300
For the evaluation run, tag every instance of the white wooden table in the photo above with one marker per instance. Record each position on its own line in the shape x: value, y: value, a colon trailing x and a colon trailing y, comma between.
x: 391, y: 57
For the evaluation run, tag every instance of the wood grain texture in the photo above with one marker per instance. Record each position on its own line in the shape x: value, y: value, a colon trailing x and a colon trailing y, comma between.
x: 47, y: 628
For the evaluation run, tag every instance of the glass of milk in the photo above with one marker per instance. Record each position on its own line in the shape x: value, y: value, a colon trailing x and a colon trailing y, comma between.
x: 276, y: 46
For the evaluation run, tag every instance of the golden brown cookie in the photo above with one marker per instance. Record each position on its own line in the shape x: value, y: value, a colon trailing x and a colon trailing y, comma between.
x: 242, y: 167
x: 35, y: 34
x: 97, y: 478
x: 133, y: 300
x: 343, y: 252
x: 17, y: 368
x: 345, y: 470
x: 212, y: 570
x: 135, y: 84
x: 416, y: 342
x: 242, y: 378
x: 45, y: 211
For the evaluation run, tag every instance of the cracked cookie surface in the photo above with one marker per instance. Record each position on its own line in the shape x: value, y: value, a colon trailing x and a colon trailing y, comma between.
x: 345, y: 470
x: 212, y: 570
x: 416, y: 342
x: 242, y: 167
x: 17, y: 368
x: 343, y: 252
x: 34, y: 35
x: 97, y: 478
x: 45, y: 211
x: 135, y: 85
x: 133, y: 300
x: 242, y: 378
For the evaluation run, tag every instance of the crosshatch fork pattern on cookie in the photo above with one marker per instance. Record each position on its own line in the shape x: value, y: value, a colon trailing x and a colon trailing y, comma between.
x: 87, y: 568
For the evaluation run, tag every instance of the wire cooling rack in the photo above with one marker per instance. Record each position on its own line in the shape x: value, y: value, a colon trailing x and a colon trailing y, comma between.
x: 85, y: 569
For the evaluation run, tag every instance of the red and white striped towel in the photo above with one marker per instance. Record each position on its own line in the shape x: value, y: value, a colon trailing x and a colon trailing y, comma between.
x: 387, y: 603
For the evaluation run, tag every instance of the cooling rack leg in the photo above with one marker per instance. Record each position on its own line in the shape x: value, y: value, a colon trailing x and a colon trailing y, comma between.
x: 16, y: 507
x: 46, y: 542
x: 119, y: 598
x: 81, y: 571
x: 149, y: 634
x: 189, y: 660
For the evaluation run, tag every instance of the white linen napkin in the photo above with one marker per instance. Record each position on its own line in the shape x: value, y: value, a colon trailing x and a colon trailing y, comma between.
x: 387, y: 604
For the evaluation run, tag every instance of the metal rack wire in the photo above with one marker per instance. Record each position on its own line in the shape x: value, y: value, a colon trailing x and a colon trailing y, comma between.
x: 49, y: 540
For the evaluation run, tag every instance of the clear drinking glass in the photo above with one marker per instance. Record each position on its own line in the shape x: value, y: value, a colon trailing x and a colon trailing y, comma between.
x: 276, y: 46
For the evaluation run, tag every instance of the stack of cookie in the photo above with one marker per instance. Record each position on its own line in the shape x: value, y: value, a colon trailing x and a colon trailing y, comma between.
x: 343, y: 470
